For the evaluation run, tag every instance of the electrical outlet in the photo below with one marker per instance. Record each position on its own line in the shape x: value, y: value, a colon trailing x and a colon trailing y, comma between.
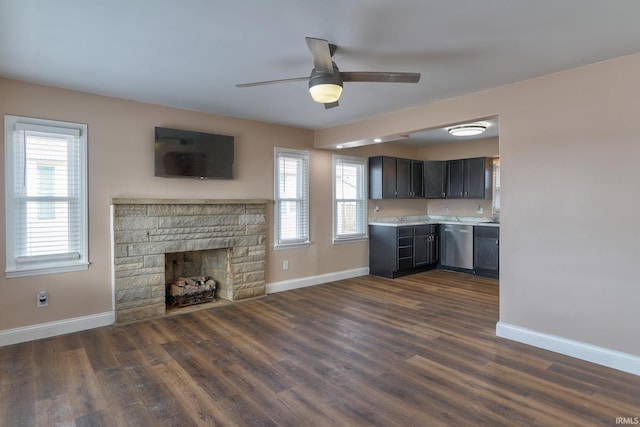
x: 446, y: 209
x: 376, y: 209
x: 42, y: 299
x: 285, y: 265
x: 480, y: 210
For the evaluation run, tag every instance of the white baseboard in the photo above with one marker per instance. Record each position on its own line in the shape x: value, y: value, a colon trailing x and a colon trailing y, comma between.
x: 60, y: 327
x: 66, y: 326
x: 287, y: 285
x: 591, y: 353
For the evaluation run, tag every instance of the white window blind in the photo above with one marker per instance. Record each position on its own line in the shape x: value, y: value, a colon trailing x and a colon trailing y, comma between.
x: 350, y: 198
x: 45, y: 196
x: 292, y: 197
x: 496, y: 186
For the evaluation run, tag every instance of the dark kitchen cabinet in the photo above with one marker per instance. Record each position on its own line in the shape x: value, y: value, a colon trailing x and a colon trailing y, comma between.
x: 394, y: 178
x: 435, y: 181
x: 486, y: 251
x: 382, y: 177
x: 397, y: 251
x: 417, y: 178
x: 455, y: 179
x: 403, y: 178
x: 426, y: 245
x: 477, y: 178
x: 469, y: 178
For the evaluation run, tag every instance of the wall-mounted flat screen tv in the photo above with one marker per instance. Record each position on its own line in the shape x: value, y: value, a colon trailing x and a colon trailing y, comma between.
x: 182, y: 153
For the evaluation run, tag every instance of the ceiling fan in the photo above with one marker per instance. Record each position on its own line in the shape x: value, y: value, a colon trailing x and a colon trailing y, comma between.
x: 325, y: 82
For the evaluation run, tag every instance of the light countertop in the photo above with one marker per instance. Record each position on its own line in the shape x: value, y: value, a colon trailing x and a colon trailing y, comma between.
x: 398, y: 221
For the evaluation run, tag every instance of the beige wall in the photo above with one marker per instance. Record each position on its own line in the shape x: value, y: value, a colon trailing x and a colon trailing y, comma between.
x: 568, y: 147
x: 121, y: 165
x: 569, y: 236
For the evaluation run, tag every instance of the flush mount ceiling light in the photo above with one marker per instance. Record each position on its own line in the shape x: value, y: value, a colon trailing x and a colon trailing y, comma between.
x: 467, y: 130
x: 325, y: 88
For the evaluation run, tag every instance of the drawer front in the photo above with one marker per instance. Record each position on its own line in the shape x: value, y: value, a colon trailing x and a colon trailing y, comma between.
x: 424, y: 230
x: 405, y: 241
x: 491, y: 232
x: 405, y: 252
x: 421, y: 230
x: 405, y: 263
x: 405, y: 231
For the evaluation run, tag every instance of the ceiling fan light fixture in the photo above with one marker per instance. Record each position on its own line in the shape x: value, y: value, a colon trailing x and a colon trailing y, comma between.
x: 467, y: 130
x: 325, y: 88
x: 325, y: 93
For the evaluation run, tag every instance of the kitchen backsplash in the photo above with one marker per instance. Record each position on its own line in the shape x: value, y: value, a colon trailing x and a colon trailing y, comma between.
x: 431, y: 207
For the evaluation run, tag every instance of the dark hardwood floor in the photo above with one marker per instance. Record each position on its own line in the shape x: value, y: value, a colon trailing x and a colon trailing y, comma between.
x: 415, y: 351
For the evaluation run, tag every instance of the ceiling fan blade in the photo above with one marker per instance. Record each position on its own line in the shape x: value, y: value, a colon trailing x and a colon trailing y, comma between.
x: 382, y: 77
x: 321, y: 54
x: 270, y: 82
x: 330, y: 105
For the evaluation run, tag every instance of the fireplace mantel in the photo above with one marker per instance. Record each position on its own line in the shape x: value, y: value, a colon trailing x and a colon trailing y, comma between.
x: 144, y: 230
x: 125, y: 201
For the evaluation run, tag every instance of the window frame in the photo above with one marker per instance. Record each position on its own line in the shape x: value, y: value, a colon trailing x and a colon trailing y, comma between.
x: 303, y: 239
x: 497, y: 193
x: 361, y: 200
x: 20, y: 265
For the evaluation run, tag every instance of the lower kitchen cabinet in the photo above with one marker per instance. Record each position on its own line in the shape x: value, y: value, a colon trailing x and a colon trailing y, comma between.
x: 426, y: 245
x: 486, y: 251
x: 397, y: 251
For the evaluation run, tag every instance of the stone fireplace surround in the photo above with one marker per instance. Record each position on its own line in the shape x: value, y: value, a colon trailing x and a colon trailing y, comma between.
x: 144, y: 230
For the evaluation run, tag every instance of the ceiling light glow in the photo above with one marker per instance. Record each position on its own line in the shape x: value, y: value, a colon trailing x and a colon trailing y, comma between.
x: 325, y: 93
x: 467, y: 129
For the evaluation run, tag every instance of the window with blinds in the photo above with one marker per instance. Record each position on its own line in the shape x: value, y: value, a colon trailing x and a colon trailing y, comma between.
x: 45, y: 196
x: 349, y: 198
x: 291, y: 197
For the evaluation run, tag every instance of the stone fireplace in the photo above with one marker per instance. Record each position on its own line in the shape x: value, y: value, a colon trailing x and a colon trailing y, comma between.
x: 154, y: 237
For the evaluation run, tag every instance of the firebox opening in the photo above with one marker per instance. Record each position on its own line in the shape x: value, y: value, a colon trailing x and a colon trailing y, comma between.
x: 195, y: 277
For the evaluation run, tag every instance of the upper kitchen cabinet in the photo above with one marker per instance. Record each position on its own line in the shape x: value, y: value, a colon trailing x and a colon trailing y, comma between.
x: 382, y: 177
x: 469, y: 178
x: 435, y: 182
x: 393, y: 178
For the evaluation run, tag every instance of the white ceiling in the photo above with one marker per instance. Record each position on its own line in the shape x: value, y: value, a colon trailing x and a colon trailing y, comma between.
x: 191, y: 53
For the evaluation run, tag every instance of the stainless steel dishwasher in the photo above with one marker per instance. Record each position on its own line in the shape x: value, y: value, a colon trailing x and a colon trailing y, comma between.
x: 457, y: 246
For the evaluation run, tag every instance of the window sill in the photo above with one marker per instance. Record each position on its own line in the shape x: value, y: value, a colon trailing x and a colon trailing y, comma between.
x: 292, y: 246
x: 36, y: 271
x: 350, y: 240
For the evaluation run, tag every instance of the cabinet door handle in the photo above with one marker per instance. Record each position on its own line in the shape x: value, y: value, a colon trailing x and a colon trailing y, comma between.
x: 497, y: 242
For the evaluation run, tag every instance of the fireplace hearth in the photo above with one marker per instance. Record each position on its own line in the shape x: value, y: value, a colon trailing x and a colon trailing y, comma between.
x: 148, y: 233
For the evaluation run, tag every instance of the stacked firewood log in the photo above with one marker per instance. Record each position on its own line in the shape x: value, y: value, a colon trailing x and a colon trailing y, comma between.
x: 191, y: 290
